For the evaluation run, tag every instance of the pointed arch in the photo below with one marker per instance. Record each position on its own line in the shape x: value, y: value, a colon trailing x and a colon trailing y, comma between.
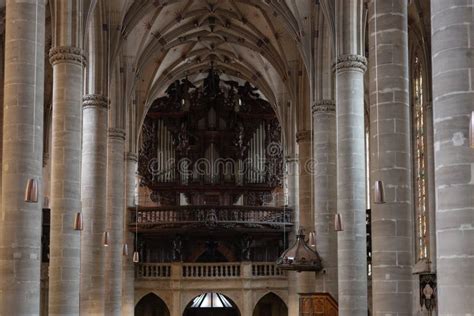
x: 151, y: 305
x: 270, y: 304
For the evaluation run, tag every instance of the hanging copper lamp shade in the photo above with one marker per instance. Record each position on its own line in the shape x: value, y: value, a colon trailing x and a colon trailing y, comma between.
x: 300, y: 257
x: 31, y: 191
x: 78, y: 224
x: 105, y: 239
x: 136, y: 257
x: 125, y: 250
x: 379, y: 197
x: 338, y: 223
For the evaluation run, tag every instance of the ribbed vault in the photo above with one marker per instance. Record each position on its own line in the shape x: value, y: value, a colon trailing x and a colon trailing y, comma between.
x: 255, y: 41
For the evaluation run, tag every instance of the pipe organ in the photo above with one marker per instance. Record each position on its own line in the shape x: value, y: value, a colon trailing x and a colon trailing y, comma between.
x: 165, y: 163
x: 256, y: 156
x: 216, y: 148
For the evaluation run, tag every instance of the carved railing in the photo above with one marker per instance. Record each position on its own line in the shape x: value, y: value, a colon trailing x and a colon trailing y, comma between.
x: 208, y: 271
x: 266, y: 269
x: 211, y: 215
x: 153, y: 270
x: 211, y: 270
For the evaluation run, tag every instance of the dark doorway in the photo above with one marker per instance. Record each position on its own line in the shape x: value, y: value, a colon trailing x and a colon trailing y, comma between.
x: 270, y: 305
x: 151, y: 305
x: 211, y: 304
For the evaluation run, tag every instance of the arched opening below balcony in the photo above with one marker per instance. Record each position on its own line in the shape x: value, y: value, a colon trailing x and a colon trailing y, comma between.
x: 151, y: 305
x: 211, y: 304
x: 270, y: 305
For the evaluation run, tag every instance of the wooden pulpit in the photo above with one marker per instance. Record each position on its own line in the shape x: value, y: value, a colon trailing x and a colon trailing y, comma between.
x: 318, y: 304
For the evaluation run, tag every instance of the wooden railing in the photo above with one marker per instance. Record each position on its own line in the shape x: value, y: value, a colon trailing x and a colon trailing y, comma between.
x: 206, y: 271
x: 211, y: 215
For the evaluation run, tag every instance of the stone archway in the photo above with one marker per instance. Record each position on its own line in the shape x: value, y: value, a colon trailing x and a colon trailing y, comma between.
x: 270, y: 305
x: 151, y: 305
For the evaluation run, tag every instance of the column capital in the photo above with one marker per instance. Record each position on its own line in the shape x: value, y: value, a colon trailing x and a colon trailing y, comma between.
x: 303, y: 136
x: 116, y: 133
x: 350, y: 62
x: 131, y: 156
x: 95, y: 100
x: 324, y: 106
x: 67, y: 54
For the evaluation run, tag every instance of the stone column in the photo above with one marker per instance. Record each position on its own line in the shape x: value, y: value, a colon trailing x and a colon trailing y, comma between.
x: 325, y: 187
x: 390, y: 157
x: 292, y: 195
x: 94, y: 169
x: 20, y: 222
x: 430, y: 185
x: 93, y: 191
x: 115, y: 209
x: 351, y: 197
x: 128, y: 267
x: 452, y: 28
x: 305, y: 280
x: 67, y: 60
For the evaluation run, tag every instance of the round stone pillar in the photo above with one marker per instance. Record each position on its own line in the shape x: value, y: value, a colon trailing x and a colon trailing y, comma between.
x: 128, y: 267
x: 115, y: 212
x: 452, y: 29
x: 351, y: 203
x: 325, y: 187
x: 20, y: 222
x: 93, y: 191
x: 64, y: 266
x: 292, y: 200
x: 305, y: 280
x: 390, y: 157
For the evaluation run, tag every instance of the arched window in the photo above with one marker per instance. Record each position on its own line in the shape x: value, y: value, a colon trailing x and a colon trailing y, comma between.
x: 419, y: 154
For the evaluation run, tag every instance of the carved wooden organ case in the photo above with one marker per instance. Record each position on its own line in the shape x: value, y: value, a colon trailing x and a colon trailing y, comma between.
x: 215, y: 144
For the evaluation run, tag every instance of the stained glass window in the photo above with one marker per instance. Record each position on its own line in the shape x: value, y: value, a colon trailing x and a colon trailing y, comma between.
x: 420, y: 163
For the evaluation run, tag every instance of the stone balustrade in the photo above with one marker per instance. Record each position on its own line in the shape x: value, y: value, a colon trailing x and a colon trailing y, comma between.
x: 203, y: 271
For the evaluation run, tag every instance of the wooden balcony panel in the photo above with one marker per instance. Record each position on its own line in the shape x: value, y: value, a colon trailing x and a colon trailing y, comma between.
x: 227, y: 217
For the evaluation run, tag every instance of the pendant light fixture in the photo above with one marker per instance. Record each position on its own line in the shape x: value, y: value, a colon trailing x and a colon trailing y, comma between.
x: 78, y: 224
x: 312, y: 240
x: 379, y: 197
x: 136, y: 257
x: 378, y: 188
x: 338, y: 223
x: 125, y: 250
x: 105, y: 239
x: 471, y: 130
x: 31, y: 191
x: 300, y: 257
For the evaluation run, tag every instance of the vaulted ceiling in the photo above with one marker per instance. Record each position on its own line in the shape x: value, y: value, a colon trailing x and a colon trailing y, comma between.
x: 262, y: 42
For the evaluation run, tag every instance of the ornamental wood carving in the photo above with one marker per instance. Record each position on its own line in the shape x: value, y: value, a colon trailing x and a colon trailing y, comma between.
x: 318, y: 304
x: 217, y: 138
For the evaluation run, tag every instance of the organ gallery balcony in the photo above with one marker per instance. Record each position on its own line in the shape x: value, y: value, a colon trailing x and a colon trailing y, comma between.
x: 210, y: 217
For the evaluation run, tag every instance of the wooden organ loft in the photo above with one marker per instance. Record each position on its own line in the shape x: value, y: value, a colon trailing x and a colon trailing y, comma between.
x: 211, y: 158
